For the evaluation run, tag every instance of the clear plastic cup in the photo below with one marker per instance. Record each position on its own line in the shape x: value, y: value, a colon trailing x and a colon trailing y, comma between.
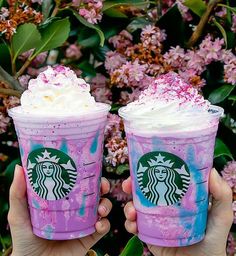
x: 170, y: 171
x: 62, y: 160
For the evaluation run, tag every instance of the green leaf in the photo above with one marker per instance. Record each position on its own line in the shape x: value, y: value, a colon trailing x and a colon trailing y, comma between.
x: 133, y: 247
x: 87, y: 68
x: 222, y: 30
x: 122, y: 168
x: 89, y: 42
x: 137, y: 23
x: 232, y: 97
x: 115, y: 107
x: 5, y: 59
x: 196, y: 6
x: 25, y: 38
x: 100, y: 52
x: 221, y: 93
x: 221, y: 149
x: 9, y: 172
x: 115, y: 13
x: 138, y: 3
x: 232, y: 9
x: 46, y: 8
x: 53, y: 36
x: 87, y: 24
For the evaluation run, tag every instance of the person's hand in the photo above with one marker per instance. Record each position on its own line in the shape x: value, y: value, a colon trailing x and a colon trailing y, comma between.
x: 26, y: 243
x: 219, y: 222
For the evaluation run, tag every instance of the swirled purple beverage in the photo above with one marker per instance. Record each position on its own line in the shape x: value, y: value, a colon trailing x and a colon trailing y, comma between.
x: 171, y: 133
x: 60, y: 129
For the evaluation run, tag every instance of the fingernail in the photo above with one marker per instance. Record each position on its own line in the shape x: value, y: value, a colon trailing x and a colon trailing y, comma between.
x: 100, y: 224
x: 102, y: 209
x: 217, y: 176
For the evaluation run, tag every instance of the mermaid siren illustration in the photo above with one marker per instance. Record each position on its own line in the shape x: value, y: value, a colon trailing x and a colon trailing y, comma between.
x: 50, y: 178
x: 163, y: 182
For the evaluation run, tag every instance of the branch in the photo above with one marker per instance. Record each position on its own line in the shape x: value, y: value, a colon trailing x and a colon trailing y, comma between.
x: 10, y: 92
x: 9, y: 80
x: 23, y: 68
x: 202, y: 23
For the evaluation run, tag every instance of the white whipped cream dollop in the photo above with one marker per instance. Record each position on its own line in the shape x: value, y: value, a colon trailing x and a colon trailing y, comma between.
x: 170, y: 104
x: 58, y: 91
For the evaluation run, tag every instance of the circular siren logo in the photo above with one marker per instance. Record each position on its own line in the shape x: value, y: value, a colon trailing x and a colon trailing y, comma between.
x: 163, y: 177
x: 52, y: 173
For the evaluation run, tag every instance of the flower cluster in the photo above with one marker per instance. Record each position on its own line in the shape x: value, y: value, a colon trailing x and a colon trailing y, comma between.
x: 100, y: 89
x: 117, y: 150
x: 12, y: 17
x: 4, y: 121
x: 91, y: 10
x: 231, y: 246
x: 132, y: 66
x: 182, y: 8
x: 191, y: 64
x: 117, y: 192
x: 229, y: 175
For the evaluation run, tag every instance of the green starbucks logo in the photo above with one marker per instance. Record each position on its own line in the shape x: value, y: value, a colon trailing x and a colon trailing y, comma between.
x: 163, y: 177
x: 51, y: 173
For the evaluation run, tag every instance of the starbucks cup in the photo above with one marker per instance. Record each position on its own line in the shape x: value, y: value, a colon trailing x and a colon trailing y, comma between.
x: 62, y: 160
x: 170, y: 171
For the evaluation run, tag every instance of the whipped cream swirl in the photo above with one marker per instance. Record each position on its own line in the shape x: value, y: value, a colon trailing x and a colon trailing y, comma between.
x: 169, y: 105
x: 58, y: 91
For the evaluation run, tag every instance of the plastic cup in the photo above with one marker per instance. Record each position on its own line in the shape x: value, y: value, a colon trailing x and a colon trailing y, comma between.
x: 170, y: 172
x: 62, y: 160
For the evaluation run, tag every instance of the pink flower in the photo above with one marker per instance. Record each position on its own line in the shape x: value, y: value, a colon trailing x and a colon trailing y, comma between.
x: 229, y: 174
x: 152, y: 36
x: 184, y: 10
x: 117, y: 151
x: 195, y: 61
x: 99, y: 81
x: 11, y: 102
x: 210, y: 50
x: 73, y: 52
x: 38, y: 60
x: 24, y: 79
x: 221, y: 13
x: 127, y: 97
x: 35, y: 71
x: 233, y: 28
x: 4, y: 13
x: 102, y: 95
x: 114, y: 126
x: 4, y: 121
x: 231, y: 246
x: 92, y: 11
x: 234, y: 209
x: 99, y: 89
x: 230, y: 72
x: 175, y: 57
x: 117, y: 192
x: 113, y: 61
x: 130, y: 74
x: 122, y: 40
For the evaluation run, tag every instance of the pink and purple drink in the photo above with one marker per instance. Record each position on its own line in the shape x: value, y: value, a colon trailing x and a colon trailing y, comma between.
x: 171, y: 133
x: 60, y: 129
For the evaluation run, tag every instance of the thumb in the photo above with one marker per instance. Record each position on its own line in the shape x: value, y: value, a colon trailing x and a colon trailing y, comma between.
x: 221, y: 213
x: 18, y: 213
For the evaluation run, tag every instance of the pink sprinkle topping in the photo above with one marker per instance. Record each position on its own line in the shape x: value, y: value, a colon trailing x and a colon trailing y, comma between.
x: 169, y: 87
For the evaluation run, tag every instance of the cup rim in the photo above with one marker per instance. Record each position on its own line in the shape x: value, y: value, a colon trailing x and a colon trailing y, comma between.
x: 215, y: 112
x: 16, y: 114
